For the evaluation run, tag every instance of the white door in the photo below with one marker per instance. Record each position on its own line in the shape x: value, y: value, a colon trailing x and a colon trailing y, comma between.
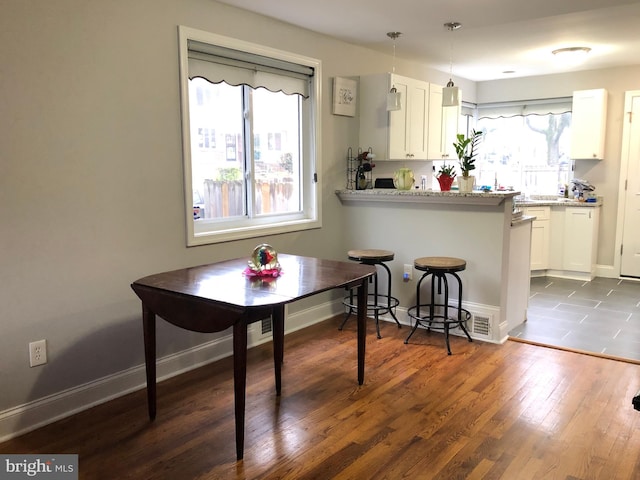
x: 630, y: 262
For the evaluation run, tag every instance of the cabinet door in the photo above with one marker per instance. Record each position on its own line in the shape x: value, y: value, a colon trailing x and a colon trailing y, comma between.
x: 539, y: 237
x: 540, y: 245
x: 443, y: 126
x: 450, y: 122
x: 580, y: 239
x: 399, y: 134
x: 418, y: 97
x: 435, y: 151
x: 588, y: 123
x: 399, y: 121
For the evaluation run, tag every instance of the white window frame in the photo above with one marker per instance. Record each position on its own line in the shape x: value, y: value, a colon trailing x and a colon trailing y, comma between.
x: 310, y: 183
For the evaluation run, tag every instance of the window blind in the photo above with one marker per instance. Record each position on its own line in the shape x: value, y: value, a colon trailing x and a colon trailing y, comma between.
x: 221, y: 64
x: 525, y: 107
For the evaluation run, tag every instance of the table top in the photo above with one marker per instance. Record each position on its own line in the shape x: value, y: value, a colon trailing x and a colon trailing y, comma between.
x: 224, y: 282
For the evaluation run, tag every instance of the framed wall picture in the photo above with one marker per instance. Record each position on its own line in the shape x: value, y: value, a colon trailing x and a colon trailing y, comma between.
x: 344, y: 96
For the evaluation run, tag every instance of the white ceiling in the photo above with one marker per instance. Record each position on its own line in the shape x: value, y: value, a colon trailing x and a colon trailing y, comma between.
x: 496, y: 35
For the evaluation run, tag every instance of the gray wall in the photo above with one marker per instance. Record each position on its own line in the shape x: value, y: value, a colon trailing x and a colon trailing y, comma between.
x: 91, y: 173
x: 91, y: 176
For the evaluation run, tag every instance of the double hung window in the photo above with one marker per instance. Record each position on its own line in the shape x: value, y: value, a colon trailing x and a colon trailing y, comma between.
x: 250, y: 138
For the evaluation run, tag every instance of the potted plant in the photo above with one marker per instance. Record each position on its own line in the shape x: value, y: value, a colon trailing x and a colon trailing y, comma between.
x: 466, y: 149
x: 445, y: 177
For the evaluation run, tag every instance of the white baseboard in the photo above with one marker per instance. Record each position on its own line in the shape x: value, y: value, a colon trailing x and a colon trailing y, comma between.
x: 491, y: 313
x: 30, y: 416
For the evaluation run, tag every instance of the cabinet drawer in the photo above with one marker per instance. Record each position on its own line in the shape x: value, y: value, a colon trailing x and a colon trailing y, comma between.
x: 541, y: 213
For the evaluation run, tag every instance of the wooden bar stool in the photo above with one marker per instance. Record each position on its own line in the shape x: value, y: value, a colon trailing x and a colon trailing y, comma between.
x: 376, y: 302
x: 428, y: 314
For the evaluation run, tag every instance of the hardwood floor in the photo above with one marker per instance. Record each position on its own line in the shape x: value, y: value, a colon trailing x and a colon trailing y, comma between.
x: 512, y: 411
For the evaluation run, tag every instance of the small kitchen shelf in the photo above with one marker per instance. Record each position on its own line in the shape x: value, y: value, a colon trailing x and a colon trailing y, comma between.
x: 354, y: 164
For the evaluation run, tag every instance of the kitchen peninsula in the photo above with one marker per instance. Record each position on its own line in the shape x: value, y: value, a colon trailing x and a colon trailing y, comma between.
x: 478, y: 227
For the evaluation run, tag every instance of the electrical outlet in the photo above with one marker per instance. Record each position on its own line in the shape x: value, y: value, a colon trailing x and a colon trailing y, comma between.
x: 408, y: 272
x: 38, y: 353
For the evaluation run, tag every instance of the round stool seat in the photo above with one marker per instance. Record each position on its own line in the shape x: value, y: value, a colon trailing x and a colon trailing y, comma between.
x: 371, y: 255
x: 443, y: 264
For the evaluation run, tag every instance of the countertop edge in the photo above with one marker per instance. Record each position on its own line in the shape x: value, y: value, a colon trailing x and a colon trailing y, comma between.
x: 523, y: 219
x: 556, y: 203
x: 422, y: 196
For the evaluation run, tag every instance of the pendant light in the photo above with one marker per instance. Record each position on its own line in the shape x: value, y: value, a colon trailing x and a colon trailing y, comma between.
x: 393, y: 97
x: 451, y: 93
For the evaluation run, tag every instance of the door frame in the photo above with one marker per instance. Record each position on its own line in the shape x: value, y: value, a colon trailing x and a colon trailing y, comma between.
x: 624, y: 169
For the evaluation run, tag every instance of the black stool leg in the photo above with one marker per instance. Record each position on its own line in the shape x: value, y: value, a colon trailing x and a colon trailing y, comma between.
x: 446, y: 312
x: 460, y: 321
x: 415, y: 327
x: 389, y: 294
x: 375, y: 302
x: 348, y: 314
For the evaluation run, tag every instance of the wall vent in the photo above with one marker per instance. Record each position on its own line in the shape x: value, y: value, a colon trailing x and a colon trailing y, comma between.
x: 481, y: 325
x: 266, y: 325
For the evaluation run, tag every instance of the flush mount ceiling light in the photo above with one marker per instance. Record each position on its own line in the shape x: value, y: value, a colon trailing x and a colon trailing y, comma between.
x: 393, y: 97
x: 571, y: 52
x: 451, y: 93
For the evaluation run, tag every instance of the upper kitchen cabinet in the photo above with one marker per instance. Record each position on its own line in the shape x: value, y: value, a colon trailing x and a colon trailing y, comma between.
x: 394, y: 135
x: 443, y: 126
x: 588, y: 124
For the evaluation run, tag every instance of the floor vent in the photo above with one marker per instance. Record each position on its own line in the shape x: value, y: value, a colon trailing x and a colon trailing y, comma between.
x: 480, y: 325
x: 266, y: 325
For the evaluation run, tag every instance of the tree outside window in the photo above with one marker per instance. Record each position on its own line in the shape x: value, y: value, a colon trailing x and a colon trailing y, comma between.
x: 527, y: 152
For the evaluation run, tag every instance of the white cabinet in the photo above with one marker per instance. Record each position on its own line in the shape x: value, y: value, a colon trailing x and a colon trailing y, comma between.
x: 564, y: 240
x: 588, y: 123
x: 540, y: 231
x: 580, y: 239
x: 443, y: 126
x: 399, y: 134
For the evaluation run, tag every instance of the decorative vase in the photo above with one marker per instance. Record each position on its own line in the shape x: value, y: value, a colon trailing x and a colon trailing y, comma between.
x: 465, y: 184
x: 445, y: 182
x: 403, y: 179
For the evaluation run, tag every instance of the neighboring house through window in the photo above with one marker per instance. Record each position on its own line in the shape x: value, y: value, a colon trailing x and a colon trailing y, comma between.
x: 250, y: 138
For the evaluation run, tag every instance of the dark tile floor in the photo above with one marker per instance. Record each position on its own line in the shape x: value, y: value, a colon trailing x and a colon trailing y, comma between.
x: 601, y: 316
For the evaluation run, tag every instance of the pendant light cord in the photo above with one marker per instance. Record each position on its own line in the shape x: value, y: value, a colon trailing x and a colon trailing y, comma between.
x: 394, y: 36
x: 451, y: 26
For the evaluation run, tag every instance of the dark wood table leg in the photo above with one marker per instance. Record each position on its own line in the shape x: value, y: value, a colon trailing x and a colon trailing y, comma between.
x: 277, y: 319
x: 362, y: 327
x: 149, y: 331
x: 240, y: 381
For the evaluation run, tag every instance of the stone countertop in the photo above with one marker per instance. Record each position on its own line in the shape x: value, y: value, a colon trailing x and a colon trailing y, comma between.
x: 424, y: 196
x: 556, y: 202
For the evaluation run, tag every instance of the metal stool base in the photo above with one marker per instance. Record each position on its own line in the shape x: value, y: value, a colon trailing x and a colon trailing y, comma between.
x: 372, y: 307
x: 376, y: 302
x: 442, y: 320
x: 438, y: 321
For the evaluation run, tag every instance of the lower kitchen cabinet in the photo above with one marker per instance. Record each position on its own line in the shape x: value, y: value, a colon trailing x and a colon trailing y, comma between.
x: 580, y: 239
x: 564, y: 240
x: 539, y: 237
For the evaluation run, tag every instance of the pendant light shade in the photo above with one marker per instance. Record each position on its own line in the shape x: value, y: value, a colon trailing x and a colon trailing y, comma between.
x: 394, y: 98
x: 451, y: 93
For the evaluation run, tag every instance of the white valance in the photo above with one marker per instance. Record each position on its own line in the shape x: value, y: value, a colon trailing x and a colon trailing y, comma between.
x: 221, y: 64
x: 525, y: 107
